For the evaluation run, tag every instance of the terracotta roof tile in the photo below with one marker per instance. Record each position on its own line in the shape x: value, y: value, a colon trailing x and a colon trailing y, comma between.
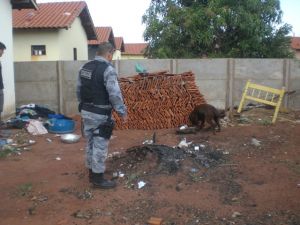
x: 295, y: 43
x: 103, y: 34
x: 119, y: 43
x: 54, y: 15
x: 135, y: 48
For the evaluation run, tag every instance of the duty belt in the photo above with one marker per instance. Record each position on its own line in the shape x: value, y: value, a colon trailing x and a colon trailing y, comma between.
x: 94, y: 109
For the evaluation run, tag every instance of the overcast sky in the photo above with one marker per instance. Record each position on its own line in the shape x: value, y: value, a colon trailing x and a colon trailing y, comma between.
x: 125, y: 16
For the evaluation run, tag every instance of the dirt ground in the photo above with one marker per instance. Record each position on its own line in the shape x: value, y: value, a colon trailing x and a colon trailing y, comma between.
x: 248, y: 174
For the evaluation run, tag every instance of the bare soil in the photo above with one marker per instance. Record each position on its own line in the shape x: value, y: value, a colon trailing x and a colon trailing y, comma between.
x: 248, y: 174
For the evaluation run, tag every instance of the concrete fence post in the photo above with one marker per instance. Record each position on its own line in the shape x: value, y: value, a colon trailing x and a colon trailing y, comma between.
x: 230, y: 80
x: 59, y: 66
x: 174, y: 66
x: 286, y: 76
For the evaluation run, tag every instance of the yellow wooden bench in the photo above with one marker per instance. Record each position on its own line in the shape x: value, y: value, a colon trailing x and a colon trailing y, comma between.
x: 262, y: 94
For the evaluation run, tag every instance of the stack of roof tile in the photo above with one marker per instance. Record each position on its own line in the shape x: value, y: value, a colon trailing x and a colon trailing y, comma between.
x: 159, y: 100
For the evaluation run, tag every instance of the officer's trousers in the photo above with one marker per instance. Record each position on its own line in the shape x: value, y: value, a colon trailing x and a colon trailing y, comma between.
x: 96, y: 147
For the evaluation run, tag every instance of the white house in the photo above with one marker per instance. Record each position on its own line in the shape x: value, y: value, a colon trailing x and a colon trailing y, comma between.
x: 6, y: 7
x: 55, y: 31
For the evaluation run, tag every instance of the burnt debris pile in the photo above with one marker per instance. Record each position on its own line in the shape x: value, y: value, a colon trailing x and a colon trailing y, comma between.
x: 161, y: 159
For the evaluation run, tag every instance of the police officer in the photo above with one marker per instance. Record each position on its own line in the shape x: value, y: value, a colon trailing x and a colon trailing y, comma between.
x: 98, y: 92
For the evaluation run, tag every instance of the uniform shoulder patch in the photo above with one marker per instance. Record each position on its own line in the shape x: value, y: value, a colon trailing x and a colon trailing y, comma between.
x: 85, y: 73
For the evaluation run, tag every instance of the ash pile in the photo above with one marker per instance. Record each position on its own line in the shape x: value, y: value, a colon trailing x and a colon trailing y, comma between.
x: 153, y: 159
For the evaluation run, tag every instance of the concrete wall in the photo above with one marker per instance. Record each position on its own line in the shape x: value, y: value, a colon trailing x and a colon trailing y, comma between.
x: 37, y: 82
x: 7, y: 58
x: 221, y: 81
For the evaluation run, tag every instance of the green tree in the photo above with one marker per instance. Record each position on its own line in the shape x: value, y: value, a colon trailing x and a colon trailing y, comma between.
x: 216, y: 28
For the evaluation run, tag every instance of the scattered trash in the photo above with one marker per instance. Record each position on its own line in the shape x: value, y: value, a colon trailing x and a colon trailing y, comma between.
x: 118, y: 174
x: 298, y: 185
x: 236, y: 214
x: 42, y: 198
x: 154, y: 221
x: 148, y: 142
x: 234, y: 199
x: 36, y: 127
x: 183, y: 127
x: 5, y: 133
x: 186, y: 130
x: 49, y: 140
x: 3, y: 142
x: 255, y: 142
x: 202, y: 146
x: 183, y: 143
x: 141, y: 184
x: 70, y: 138
x: 114, y: 155
x: 196, y: 148
x: 225, y: 152
x: 82, y: 215
x: 58, y: 158
x: 194, y: 170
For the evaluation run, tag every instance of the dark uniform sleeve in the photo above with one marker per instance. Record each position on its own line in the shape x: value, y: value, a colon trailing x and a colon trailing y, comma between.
x: 114, y: 91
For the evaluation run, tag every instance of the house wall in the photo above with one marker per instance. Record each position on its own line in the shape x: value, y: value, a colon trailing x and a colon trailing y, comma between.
x: 7, y: 58
x: 59, y: 43
x: 74, y: 37
x: 221, y: 81
x: 24, y: 38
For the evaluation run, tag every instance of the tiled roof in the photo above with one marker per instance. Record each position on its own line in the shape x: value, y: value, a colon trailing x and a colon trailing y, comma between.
x: 104, y: 34
x: 55, y: 15
x: 135, y: 48
x: 119, y: 44
x: 295, y: 43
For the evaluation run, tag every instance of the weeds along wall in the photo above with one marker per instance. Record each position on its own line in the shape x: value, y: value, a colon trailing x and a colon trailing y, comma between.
x: 221, y: 81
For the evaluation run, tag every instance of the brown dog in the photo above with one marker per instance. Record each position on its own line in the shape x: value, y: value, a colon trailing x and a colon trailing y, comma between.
x: 206, y: 113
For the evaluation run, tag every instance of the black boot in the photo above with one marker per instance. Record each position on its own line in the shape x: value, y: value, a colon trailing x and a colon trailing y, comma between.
x: 99, y: 181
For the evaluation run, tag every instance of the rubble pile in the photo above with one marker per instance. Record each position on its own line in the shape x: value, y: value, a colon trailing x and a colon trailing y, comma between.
x: 159, y: 100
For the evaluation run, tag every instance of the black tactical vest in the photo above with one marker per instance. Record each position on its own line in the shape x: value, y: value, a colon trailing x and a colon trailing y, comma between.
x: 92, y: 83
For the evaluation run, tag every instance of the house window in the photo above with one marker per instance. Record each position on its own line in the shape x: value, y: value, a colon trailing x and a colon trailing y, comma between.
x: 75, y: 54
x: 38, y: 49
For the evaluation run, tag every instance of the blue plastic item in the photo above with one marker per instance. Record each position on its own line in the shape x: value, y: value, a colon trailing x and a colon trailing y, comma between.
x: 56, y: 116
x: 61, y: 126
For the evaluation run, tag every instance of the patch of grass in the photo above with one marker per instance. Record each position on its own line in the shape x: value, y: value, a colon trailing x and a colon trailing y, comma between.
x: 295, y: 167
x: 265, y: 122
x: 195, y: 177
x: 24, y: 189
x: 132, y: 178
x: 7, y: 150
